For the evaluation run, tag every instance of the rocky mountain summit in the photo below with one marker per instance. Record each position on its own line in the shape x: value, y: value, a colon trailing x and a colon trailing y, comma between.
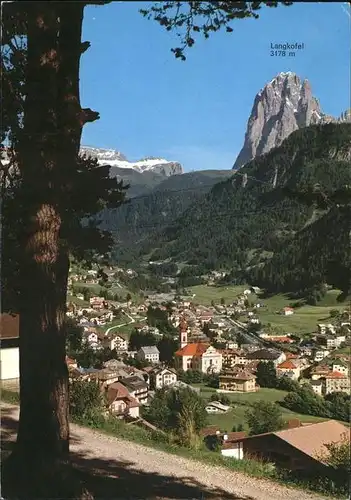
x: 117, y: 160
x: 284, y: 105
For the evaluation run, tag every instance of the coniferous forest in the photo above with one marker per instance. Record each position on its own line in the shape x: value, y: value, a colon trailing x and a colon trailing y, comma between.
x: 251, y: 226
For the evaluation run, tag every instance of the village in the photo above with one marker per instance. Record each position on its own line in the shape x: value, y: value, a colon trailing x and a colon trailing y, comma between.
x: 219, y: 348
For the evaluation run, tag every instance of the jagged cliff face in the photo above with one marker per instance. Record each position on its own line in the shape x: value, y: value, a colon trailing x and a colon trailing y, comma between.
x: 285, y: 104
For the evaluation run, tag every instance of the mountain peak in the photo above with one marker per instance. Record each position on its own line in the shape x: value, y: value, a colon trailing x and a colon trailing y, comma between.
x: 118, y: 160
x: 284, y: 104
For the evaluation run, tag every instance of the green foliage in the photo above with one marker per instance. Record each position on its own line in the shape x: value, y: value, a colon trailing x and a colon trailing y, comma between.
x: 181, y: 412
x: 86, y: 401
x: 285, y: 383
x: 190, y: 18
x: 338, y: 455
x: 212, y: 380
x: 266, y: 374
x: 74, y: 335
x: 278, y: 242
x: 238, y: 428
x: 138, y: 339
x: 145, y: 214
x: 339, y: 404
x: 264, y: 416
x: 159, y: 318
x: 191, y: 376
x: 303, y: 400
x: 167, y: 346
x: 82, y: 189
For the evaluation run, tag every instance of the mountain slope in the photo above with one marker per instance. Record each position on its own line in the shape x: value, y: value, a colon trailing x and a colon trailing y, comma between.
x: 243, y: 221
x: 142, y: 175
x: 149, y: 213
x: 284, y: 105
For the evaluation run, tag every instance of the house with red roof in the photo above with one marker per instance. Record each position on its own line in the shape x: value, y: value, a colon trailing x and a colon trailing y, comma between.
x: 199, y: 356
x: 289, y: 369
x: 287, y: 311
x: 120, y: 402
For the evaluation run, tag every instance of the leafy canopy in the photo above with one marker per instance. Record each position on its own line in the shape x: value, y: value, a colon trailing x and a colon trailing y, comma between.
x: 190, y: 18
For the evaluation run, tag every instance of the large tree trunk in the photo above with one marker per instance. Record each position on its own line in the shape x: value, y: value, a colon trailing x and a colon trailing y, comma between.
x: 48, y: 149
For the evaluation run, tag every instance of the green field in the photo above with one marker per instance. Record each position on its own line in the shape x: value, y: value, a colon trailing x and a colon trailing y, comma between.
x: 304, y: 319
x: 204, y: 294
x: 75, y: 300
x: 241, y: 403
x: 116, y: 322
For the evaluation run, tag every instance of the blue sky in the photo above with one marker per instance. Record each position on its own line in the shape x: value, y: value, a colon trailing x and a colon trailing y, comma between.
x: 196, y: 111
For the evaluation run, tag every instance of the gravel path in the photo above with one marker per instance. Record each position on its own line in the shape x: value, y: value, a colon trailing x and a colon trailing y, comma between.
x: 151, y: 474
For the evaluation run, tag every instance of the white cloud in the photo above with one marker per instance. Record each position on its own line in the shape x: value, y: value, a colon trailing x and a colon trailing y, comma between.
x: 200, y: 157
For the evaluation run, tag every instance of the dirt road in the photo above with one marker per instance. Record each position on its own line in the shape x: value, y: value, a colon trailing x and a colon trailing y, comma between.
x: 146, y: 473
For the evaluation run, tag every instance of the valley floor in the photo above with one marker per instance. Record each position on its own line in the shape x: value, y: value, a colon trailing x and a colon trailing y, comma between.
x: 123, y: 469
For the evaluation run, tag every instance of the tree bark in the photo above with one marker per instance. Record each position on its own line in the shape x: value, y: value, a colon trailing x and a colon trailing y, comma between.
x: 43, y: 426
x: 47, y: 150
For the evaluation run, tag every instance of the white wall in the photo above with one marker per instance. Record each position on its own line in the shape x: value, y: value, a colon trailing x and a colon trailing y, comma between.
x: 9, y: 363
x: 235, y: 452
x: 134, y: 412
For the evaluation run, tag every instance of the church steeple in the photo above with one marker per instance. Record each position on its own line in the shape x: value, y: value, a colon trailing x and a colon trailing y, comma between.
x: 183, y: 333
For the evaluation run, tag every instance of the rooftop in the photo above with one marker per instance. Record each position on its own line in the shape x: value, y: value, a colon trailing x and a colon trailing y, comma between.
x: 9, y: 326
x: 287, y: 365
x: 263, y: 354
x: 150, y: 349
x: 310, y: 439
x: 196, y: 349
x: 118, y: 391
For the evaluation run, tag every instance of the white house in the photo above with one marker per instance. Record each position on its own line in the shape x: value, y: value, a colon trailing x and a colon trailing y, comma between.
x: 116, y: 342
x: 320, y: 354
x: 9, y: 352
x: 162, y: 377
x: 149, y: 353
x: 91, y: 338
x: 287, y: 311
x: 341, y: 367
x: 232, y: 449
x: 232, y: 344
x: 317, y: 386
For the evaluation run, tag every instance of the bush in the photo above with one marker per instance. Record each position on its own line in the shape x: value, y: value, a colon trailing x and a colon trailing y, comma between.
x: 87, y: 403
x: 181, y: 412
x: 212, y: 380
x: 304, y: 400
x: 264, y: 416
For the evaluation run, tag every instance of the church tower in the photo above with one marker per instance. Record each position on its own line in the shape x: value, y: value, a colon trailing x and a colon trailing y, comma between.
x: 183, y: 332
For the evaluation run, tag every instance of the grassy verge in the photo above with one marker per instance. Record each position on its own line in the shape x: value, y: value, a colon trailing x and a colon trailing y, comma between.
x: 253, y: 468
x: 9, y: 396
